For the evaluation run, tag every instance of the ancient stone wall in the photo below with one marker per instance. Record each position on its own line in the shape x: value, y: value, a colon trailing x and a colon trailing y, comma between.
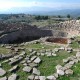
x: 29, y: 34
x: 72, y: 27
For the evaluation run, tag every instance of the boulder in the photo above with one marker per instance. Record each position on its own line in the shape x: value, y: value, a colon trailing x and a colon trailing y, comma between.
x: 33, y: 53
x: 2, y: 72
x: 22, y: 53
x: 33, y: 58
x: 3, y: 78
x: 58, y: 67
x: 28, y: 61
x: 33, y: 64
x: 37, y: 60
x: 69, y: 72
x: 27, y: 58
x: 42, y: 51
x: 48, y: 50
x: 31, y: 77
x: 78, y: 54
x: 61, y: 48
x: 75, y: 60
x: 65, y: 60
x: 16, y: 57
x: 55, y: 75
x: 5, y: 61
x: 71, y: 58
x: 48, y: 54
x: 13, y: 77
x: 60, y: 72
x: 71, y: 62
x: 65, y: 68
x: 68, y: 65
x: 38, y: 54
x: 27, y: 69
x: 78, y: 59
x: 16, y: 49
x: 42, y: 54
x: 36, y: 72
x: 22, y: 62
x: 56, y: 50
x: 51, y: 78
x: 25, y: 64
x: 30, y: 50
x: 36, y: 78
x: 53, y: 51
x: 8, y: 47
x: 42, y: 78
x: 54, y: 54
x: 2, y: 45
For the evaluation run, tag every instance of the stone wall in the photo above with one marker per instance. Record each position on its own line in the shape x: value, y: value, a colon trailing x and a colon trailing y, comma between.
x: 72, y: 27
x: 29, y: 34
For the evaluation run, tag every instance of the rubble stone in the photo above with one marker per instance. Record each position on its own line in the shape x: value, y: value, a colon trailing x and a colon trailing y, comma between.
x: 3, y: 78
x: 27, y: 69
x: 36, y: 72
x: 13, y: 77
x: 2, y: 72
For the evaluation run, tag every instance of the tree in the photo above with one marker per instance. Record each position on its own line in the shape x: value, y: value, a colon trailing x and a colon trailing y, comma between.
x: 46, y: 17
x: 59, y: 16
x: 78, y: 18
x: 68, y: 16
x: 41, y: 17
x: 38, y: 17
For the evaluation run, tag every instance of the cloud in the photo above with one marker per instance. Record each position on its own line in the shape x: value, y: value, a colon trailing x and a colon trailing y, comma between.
x: 7, y: 4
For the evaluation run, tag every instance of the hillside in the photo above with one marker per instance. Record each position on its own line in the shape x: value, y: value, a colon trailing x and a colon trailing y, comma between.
x: 43, y: 11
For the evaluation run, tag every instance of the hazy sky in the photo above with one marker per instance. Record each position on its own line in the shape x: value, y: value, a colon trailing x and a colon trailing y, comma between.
x: 56, y: 4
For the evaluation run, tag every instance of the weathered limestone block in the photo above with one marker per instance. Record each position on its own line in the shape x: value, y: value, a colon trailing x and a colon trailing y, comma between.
x: 2, y: 72
x: 3, y: 78
x: 36, y: 72
x: 37, y: 60
x: 27, y: 69
x: 12, y: 77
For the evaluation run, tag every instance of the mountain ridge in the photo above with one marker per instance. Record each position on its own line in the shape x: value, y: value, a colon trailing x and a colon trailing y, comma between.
x: 43, y: 11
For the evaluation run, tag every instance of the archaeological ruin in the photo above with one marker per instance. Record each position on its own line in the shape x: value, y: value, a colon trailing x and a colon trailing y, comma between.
x: 25, y: 32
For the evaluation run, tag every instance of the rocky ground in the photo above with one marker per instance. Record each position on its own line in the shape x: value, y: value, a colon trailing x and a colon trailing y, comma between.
x: 40, y: 61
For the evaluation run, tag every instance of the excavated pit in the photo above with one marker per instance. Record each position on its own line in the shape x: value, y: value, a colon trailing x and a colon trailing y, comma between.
x: 58, y: 40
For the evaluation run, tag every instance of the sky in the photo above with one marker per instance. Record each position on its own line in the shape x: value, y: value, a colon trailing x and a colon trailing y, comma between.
x: 56, y: 4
